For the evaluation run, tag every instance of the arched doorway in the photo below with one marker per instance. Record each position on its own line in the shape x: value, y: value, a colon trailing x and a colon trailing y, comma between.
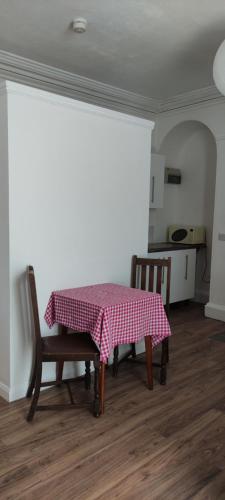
x: 191, y: 147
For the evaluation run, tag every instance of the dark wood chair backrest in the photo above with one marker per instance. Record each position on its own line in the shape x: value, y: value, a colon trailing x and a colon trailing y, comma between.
x: 34, y: 303
x: 143, y: 275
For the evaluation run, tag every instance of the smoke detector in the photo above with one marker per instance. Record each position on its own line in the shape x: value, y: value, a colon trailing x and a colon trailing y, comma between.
x: 79, y: 25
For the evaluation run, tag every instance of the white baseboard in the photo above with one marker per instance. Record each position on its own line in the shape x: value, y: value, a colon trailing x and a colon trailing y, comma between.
x: 19, y: 391
x: 215, y: 311
x: 4, y: 391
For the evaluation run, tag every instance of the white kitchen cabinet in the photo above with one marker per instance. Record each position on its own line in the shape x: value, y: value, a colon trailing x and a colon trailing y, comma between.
x: 183, y: 275
x: 183, y: 264
x: 157, y: 181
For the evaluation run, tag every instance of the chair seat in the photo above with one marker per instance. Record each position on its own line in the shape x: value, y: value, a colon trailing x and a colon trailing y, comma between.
x: 78, y: 346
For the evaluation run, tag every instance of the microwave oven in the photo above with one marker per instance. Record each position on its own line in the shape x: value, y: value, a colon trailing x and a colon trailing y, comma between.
x: 191, y: 235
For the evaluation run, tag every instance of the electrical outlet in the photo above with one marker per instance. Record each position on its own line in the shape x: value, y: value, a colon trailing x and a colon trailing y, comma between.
x: 221, y: 236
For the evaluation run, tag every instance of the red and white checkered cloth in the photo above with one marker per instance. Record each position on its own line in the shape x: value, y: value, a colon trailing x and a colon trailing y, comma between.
x: 112, y: 314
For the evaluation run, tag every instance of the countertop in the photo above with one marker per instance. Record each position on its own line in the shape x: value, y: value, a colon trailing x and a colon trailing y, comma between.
x: 167, y: 247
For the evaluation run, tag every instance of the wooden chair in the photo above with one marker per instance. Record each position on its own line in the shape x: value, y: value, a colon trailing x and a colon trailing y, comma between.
x: 150, y: 274
x: 59, y: 348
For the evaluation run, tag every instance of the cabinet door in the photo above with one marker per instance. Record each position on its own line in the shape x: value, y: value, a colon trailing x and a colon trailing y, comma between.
x: 157, y: 181
x: 182, y: 275
x: 182, y: 286
x: 189, y: 276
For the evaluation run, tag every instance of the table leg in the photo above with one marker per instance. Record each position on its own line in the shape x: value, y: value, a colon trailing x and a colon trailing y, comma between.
x: 164, y: 361
x: 148, y: 348
x: 102, y: 387
x: 59, y: 365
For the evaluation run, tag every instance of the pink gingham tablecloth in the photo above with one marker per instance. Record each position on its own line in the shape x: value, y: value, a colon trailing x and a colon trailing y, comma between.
x: 112, y: 314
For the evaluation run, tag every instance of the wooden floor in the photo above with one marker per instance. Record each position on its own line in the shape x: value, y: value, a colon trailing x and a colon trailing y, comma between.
x: 168, y: 444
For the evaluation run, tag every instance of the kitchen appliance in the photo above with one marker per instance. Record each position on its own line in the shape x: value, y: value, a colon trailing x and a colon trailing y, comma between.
x: 191, y: 235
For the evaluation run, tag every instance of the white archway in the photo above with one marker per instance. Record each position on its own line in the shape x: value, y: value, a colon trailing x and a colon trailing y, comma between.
x: 190, y: 146
x: 212, y: 115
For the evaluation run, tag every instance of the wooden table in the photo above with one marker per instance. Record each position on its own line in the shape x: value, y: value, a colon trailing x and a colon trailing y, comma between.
x: 113, y: 315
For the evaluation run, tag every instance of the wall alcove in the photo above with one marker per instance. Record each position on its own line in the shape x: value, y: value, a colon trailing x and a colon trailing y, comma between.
x: 191, y: 147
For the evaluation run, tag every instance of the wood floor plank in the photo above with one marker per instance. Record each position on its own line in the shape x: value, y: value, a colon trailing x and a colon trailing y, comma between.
x: 180, y: 467
x: 214, y: 489
x: 166, y: 444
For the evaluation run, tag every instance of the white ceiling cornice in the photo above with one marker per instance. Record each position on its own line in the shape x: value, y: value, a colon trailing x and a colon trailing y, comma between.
x: 15, y: 88
x: 42, y: 76
x: 27, y: 71
x: 190, y: 98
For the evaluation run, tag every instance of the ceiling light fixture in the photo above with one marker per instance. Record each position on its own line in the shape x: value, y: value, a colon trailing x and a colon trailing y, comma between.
x: 219, y: 68
x: 79, y: 25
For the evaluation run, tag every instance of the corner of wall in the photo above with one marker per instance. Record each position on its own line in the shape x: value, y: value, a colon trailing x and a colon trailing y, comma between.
x: 4, y: 256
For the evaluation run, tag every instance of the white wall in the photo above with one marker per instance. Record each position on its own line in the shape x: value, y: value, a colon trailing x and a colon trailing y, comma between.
x: 78, y: 187
x: 191, y: 147
x: 4, y: 254
x: 216, y: 306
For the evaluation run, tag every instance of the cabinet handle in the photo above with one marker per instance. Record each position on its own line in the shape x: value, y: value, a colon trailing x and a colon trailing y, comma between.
x: 186, y: 267
x: 153, y: 188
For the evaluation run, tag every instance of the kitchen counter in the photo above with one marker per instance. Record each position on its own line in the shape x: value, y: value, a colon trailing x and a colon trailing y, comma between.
x: 167, y: 246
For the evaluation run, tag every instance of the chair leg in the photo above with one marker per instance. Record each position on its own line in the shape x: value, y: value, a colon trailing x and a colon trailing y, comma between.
x: 34, y: 402
x: 133, y: 350
x: 87, y: 378
x: 167, y: 351
x: 70, y: 392
x: 115, y: 361
x: 164, y: 360
x: 102, y: 387
x: 32, y: 380
x: 96, y: 389
x: 59, y: 372
x: 60, y: 364
x: 148, y: 348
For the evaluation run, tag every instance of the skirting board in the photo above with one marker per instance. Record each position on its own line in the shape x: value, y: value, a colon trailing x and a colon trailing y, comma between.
x: 19, y: 392
x: 4, y: 391
x: 215, y: 311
